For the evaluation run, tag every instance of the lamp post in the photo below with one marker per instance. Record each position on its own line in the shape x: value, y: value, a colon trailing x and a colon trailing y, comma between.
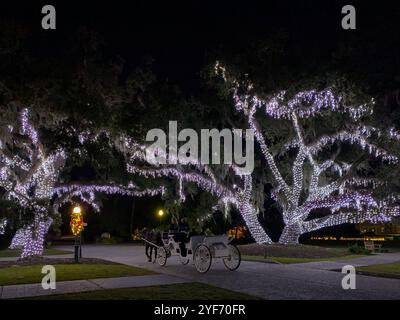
x: 77, y: 228
x: 160, y: 213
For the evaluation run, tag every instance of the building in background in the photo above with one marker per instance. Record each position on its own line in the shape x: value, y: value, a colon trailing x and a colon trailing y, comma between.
x: 390, y: 230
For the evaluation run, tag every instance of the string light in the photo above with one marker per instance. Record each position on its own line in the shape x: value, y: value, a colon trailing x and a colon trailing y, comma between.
x: 86, y: 193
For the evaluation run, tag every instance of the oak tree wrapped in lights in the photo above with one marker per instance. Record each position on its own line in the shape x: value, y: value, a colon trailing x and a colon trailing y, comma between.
x: 318, y: 180
x: 29, y: 174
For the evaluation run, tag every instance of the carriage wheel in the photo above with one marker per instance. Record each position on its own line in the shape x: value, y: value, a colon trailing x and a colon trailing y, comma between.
x: 202, y: 258
x: 162, y: 256
x: 233, y: 261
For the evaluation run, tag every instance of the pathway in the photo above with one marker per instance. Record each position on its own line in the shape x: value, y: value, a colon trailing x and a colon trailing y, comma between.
x: 62, y: 287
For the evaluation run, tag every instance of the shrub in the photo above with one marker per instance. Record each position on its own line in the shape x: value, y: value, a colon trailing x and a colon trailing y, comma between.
x: 356, y: 249
x: 111, y: 240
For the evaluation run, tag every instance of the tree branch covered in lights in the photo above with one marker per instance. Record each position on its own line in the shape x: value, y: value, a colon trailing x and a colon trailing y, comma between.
x: 235, y: 192
x: 87, y: 192
x: 30, y: 176
x: 317, y: 171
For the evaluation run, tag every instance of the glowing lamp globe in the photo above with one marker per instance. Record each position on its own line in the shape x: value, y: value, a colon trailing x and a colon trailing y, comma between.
x: 76, y: 222
x: 77, y: 210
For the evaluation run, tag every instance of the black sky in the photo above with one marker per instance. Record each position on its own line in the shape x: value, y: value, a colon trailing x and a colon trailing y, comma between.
x: 181, y: 35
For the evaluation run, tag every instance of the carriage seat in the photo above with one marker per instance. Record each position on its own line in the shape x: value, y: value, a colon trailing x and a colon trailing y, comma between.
x: 179, y: 236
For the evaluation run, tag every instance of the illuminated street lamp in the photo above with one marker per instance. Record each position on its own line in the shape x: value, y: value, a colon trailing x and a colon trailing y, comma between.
x: 160, y: 213
x: 77, y: 210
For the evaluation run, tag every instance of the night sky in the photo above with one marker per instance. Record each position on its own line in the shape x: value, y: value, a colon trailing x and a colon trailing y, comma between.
x: 183, y: 36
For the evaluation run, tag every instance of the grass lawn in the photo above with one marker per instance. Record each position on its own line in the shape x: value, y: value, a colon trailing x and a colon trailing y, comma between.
x: 276, y: 253
x: 292, y: 251
x: 6, y: 253
x: 32, y: 274
x: 390, y: 270
x: 288, y: 260
x: 183, y: 291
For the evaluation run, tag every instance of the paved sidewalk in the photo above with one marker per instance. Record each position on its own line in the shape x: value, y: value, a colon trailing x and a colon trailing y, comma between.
x: 34, y: 290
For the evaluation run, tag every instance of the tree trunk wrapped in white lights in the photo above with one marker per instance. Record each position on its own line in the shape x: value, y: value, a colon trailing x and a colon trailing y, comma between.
x: 31, y: 238
x: 318, y: 179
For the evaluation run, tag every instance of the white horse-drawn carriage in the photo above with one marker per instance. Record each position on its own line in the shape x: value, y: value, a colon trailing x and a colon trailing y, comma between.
x: 200, y: 249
